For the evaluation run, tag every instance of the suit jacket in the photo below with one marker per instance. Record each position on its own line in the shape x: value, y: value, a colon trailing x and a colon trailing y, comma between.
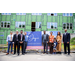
x: 66, y: 38
x: 47, y: 38
x: 19, y: 37
x: 14, y: 38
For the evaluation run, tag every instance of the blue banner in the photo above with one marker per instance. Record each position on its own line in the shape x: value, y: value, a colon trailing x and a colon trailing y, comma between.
x: 34, y: 38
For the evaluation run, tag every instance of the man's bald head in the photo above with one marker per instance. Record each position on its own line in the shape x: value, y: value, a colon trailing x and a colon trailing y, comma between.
x: 65, y: 30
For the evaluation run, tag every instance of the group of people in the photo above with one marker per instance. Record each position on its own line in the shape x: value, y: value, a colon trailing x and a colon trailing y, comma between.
x: 55, y: 43
x: 18, y: 40
x: 47, y: 40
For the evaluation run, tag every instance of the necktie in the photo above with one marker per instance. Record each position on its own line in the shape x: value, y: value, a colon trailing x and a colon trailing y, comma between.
x: 11, y: 37
x: 21, y: 36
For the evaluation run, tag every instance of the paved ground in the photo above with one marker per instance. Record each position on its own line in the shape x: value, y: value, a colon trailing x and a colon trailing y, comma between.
x: 37, y: 57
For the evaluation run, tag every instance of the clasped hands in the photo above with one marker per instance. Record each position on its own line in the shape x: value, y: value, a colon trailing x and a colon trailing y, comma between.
x: 21, y: 41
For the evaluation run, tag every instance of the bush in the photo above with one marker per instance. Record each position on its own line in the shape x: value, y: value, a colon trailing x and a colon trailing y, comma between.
x: 72, y: 41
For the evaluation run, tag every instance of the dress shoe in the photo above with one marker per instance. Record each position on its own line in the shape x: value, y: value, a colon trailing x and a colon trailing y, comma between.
x: 18, y: 54
x: 23, y: 54
x: 7, y: 53
x: 11, y: 52
x: 46, y: 53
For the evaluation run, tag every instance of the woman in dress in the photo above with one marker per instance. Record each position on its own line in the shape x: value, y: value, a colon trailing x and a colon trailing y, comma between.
x: 59, y: 40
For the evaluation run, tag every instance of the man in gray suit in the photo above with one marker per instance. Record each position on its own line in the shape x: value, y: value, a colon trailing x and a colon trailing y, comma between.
x: 45, y: 40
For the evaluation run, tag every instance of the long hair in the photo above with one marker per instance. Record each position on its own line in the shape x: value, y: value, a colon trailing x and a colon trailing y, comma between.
x: 59, y: 34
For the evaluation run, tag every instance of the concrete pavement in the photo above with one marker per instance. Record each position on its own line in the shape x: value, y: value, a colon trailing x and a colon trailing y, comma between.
x: 37, y: 57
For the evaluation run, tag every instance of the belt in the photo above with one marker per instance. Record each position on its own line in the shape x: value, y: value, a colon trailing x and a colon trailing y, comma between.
x: 9, y: 41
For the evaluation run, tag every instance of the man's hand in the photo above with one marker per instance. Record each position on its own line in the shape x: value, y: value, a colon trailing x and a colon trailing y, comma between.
x: 67, y: 42
x: 7, y: 43
x: 63, y: 42
x: 21, y: 42
x: 47, y: 42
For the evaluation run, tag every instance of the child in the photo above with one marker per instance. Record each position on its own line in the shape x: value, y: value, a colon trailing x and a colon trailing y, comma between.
x: 54, y: 46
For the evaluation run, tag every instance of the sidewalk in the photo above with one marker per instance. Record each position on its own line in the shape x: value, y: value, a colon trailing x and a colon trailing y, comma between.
x: 37, y: 57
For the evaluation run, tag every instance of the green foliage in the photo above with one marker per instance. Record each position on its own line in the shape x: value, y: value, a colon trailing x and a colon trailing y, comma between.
x: 72, y: 41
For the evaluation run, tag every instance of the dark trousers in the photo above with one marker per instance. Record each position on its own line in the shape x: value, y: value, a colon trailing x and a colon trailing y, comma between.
x: 45, y: 45
x: 20, y: 44
x: 51, y: 47
x: 66, y: 45
x: 15, y: 44
x: 25, y: 46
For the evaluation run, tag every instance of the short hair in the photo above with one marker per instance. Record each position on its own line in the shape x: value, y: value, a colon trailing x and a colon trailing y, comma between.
x: 10, y: 31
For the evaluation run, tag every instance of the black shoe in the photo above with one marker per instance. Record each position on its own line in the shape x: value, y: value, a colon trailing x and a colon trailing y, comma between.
x: 59, y: 52
x: 69, y: 54
x: 23, y: 54
x: 14, y: 53
x: 18, y: 54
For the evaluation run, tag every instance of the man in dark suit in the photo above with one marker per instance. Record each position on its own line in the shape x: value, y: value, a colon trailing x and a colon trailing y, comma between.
x: 15, y: 40
x: 45, y: 40
x: 66, y: 41
x: 21, y: 39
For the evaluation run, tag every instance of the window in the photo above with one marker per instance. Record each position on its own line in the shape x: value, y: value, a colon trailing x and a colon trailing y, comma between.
x: 38, y: 24
x: 67, y: 25
x: 6, y: 13
x: 20, y: 13
x: 67, y: 14
x: 5, y: 24
x: 36, y: 13
x: 20, y: 25
x: 52, y: 14
x: 51, y: 25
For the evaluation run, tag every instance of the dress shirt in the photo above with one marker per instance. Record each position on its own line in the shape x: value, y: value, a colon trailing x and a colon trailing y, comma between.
x: 44, y: 36
x: 16, y: 37
x: 21, y: 37
x: 26, y: 38
x: 65, y: 33
x: 9, y: 38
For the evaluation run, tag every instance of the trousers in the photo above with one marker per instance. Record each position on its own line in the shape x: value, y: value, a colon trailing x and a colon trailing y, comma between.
x: 25, y: 46
x: 9, y: 44
x: 51, y: 47
x: 66, y: 45
x: 45, y: 45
